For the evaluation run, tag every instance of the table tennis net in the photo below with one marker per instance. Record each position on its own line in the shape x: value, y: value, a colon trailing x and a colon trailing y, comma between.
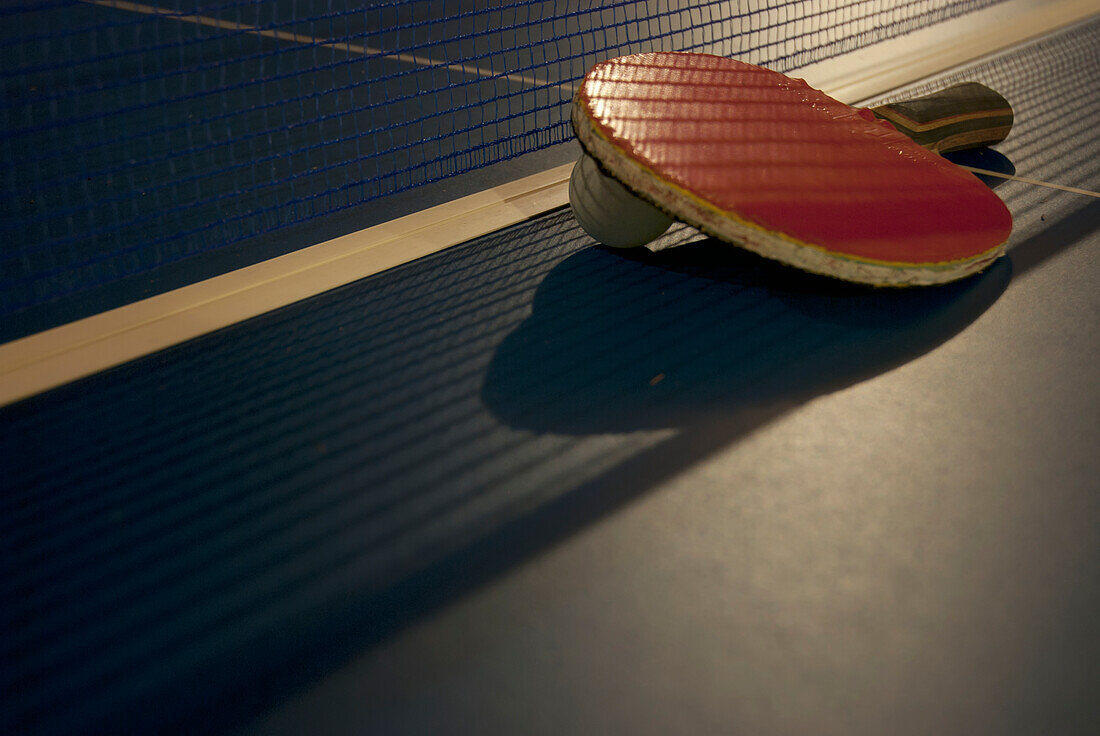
x: 141, y: 134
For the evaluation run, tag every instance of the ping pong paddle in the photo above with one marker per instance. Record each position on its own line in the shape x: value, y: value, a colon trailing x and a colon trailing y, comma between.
x: 764, y: 161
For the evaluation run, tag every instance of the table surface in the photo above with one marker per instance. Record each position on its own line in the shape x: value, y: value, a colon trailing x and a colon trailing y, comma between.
x: 529, y: 485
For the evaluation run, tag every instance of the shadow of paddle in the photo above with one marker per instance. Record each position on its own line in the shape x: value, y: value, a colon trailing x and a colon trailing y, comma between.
x: 704, y: 332
x: 984, y: 158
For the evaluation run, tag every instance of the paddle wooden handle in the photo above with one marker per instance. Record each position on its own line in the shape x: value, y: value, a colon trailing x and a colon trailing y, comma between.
x: 968, y: 115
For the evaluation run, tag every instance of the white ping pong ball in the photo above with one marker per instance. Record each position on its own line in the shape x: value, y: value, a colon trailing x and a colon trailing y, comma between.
x: 610, y: 212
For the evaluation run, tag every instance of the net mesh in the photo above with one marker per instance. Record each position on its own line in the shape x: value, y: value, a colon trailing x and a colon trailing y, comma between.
x: 139, y: 135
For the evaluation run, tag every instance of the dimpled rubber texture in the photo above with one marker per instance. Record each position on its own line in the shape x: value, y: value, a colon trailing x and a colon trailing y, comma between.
x: 764, y: 161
